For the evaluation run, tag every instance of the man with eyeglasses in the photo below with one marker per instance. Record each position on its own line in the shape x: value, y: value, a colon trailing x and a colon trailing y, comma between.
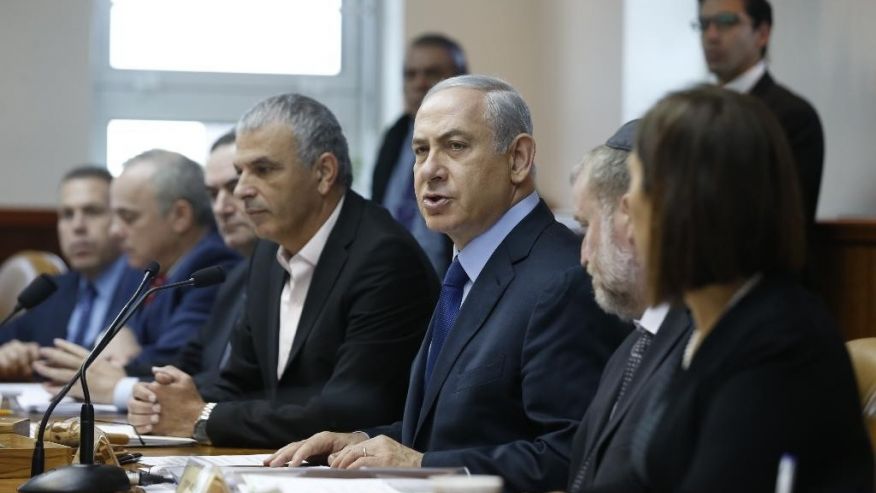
x: 735, y: 35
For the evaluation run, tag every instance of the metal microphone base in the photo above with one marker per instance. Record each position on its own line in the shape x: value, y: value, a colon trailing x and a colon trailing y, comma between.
x: 79, y: 478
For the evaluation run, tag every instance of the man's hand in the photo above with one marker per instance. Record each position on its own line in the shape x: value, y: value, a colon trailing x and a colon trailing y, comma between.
x: 143, y: 408
x: 60, y: 363
x: 123, y: 348
x: 170, y: 405
x: 16, y: 358
x: 320, y: 445
x: 380, y: 451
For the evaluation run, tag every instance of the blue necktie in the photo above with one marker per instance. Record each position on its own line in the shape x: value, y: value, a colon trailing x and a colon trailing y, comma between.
x: 85, y: 306
x: 445, y: 312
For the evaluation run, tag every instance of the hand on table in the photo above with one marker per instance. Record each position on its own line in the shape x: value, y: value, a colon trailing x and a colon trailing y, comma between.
x: 60, y: 362
x: 347, y: 450
x: 16, y: 358
x: 170, y: 405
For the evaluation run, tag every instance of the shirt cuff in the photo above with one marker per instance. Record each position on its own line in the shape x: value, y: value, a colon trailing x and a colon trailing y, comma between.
x: 122, y: 392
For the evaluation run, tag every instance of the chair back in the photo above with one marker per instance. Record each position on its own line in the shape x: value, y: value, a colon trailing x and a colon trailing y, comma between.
x: 863, y: 355
x: 20, y: 269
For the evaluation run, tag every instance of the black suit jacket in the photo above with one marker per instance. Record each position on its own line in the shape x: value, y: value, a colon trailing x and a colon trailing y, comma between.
x: 387, y: 159
x: 772, y: 377
x: 364, y: 317
x: 603, y: 443
x: 519, y: 367
x: 202, y: 356
x: 387, y: 156
x: 805, y: 135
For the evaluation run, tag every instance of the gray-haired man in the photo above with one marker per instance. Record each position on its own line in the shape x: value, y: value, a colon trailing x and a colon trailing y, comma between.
x: 516, y: 343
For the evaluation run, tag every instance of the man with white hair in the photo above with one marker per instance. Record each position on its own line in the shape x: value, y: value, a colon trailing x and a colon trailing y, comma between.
x: 601, y: 453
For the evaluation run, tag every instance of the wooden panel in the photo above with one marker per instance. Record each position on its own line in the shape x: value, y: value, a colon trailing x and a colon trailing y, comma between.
x: 28, y: 229
x: 844, y: 273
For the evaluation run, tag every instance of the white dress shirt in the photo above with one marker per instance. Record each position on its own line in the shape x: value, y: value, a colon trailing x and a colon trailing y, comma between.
x: 300, y: 267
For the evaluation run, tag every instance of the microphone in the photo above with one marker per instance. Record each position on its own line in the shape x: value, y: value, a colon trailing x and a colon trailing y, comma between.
x: 91, y: 477
x: 35, y: 293
x: 38, y: 459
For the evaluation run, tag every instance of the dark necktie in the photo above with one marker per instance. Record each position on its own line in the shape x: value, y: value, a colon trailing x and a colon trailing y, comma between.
x: 643, y: 342
x: 85, y: 305
x: 637, y: 352
x: 445, y: 312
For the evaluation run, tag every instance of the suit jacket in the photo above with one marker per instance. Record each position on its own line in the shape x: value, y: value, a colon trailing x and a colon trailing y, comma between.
x: 772, y: 377
x: 203, y: 355
x: 603, y: 443
x: 165, y: 324
x: 387, y: 156
x: 519, y: 367
x: 48, y: 320
x: 364, y: 316
x: 387, y: 159
x: 803, y: 128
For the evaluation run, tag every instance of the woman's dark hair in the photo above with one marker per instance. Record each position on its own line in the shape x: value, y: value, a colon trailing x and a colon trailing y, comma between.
x: 719, y: 175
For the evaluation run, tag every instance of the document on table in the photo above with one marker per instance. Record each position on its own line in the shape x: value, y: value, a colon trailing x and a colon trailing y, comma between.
x: 33, y: 398
x: 212, y: 460
x: 274, y: 483
x: 135, y: 440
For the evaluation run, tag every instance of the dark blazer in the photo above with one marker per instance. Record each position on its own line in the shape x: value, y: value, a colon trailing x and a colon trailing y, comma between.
x: 48, y: 321
x: 772, y: 377
x: 164, y: 325
x: 364, y: 317
x: 805, y: 135
x: 202, y: 356
x: 387, y: 156
x: 603, y: 443
x: 519, y: 367
x: 387, y: 159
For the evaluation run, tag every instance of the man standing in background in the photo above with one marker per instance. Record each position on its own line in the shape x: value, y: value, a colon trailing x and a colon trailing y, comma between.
x: 430, y: 59
x: 735, y: 35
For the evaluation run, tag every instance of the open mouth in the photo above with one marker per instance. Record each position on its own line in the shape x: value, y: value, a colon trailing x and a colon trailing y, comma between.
x: 435, y: 201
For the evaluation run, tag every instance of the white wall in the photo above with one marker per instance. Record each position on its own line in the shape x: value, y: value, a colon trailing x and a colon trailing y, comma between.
x: 585, y: 66
x: 45, y: 96
x: 825, y: 50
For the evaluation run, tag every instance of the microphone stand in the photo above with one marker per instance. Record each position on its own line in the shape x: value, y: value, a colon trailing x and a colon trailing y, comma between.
x: 86, y: 430
x: 97, y: 477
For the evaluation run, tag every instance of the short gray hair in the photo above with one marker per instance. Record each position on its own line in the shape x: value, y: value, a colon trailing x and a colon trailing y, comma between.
x: 506, y: 112
x: 314, y: 126
x: 176, y: 177
x: 607, y: 174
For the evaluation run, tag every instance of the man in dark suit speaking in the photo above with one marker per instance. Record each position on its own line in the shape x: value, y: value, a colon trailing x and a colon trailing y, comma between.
x: 516, y: 344
x: 735, y: 35
x: 601, y: 453
x: 336, y: 305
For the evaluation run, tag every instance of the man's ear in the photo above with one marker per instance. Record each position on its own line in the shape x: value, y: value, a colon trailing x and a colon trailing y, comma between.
x: 521, y: 155
x: 763, y: 34
x: 623, y: 216
x: 181, y: 215
x: 326, y: 169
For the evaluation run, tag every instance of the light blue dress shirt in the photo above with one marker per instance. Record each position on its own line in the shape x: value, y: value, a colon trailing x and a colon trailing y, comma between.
x: 105, y: 285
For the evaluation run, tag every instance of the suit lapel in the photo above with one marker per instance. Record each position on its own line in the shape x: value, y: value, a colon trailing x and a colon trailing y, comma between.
x: 276, y: 280
x: 327, y: 270
x: 480, y: 302
x: 668, y: 339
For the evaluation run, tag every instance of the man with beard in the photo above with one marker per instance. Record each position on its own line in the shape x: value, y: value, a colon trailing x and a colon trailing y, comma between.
x: 601, y: 449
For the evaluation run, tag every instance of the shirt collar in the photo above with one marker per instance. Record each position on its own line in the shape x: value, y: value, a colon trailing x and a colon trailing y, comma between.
x: 475, y: 255
x: 105, y: 281
x: 653, y: 317
x: 311, y: 250
x: 745, y: 81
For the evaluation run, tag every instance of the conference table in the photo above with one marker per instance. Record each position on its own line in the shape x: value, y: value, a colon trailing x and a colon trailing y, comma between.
x: 11, y: 485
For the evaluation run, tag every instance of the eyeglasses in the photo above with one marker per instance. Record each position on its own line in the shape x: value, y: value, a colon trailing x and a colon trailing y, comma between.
x: 722, y: 21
